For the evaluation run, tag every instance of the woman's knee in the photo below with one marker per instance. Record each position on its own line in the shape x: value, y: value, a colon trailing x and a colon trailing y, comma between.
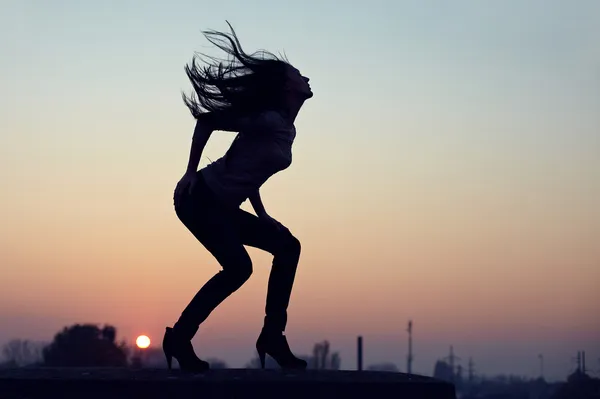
x: 289, y: 245
x: 239, y: 269
x: 293, y: 244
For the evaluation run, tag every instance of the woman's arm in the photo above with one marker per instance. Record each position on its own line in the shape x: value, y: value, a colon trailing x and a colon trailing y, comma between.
x: 259, y: 208
x: 202, y: 132
x: 257, y: 204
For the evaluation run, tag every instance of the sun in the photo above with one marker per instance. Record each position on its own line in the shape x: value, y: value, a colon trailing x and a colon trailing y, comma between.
x: 142, y: 342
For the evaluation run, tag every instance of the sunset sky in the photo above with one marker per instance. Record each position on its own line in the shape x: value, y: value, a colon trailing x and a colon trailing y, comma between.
x: 447, y: 170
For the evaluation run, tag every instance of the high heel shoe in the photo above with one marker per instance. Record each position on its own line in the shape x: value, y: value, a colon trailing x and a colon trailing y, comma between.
x: 275, y: 345
x: 183, y: 351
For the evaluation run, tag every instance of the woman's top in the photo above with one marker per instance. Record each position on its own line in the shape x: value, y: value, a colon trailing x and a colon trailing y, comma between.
x: 262, y: 149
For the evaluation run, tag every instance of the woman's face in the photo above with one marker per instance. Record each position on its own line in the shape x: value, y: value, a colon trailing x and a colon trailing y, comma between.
x: 297, y: 85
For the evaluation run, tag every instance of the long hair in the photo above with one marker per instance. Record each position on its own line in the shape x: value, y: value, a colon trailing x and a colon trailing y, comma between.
x: 244, y: 83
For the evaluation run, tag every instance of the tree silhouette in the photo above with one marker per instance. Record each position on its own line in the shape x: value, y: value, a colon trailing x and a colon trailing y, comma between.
x: 19, y: 352
x: 322, y: 359
x: 578, y: 385
x: 85, y: 346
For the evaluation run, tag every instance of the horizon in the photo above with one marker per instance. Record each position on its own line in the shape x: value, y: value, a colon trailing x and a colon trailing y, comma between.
x: 505, y: 365
x: 446, y: 171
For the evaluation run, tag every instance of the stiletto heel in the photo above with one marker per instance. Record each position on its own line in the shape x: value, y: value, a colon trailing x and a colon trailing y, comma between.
x: 169, y: 359
x: 182, y: 350
x: 275, y: 345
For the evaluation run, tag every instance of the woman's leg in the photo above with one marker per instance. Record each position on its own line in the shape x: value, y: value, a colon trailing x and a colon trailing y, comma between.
x: 216, y: 229
x: 286, y: 252
x: 285, y: 249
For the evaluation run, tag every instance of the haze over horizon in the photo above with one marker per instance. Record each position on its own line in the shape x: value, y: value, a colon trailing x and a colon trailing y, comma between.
x: 446, y: 170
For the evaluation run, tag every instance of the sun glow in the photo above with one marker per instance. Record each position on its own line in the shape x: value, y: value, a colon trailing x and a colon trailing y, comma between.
x: 142, y: 342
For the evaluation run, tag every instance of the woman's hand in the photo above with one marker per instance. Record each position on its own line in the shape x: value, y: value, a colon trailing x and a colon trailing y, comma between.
x: 185, y: 186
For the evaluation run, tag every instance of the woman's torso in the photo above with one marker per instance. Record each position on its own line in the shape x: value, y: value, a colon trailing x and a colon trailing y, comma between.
x: 251, y: 160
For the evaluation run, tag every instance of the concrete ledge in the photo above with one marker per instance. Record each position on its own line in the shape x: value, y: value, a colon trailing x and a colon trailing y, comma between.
x: 92, y: 383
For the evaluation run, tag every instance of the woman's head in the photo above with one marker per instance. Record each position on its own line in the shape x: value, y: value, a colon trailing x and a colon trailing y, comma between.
x: 244, y: 83
x: 296, y: 86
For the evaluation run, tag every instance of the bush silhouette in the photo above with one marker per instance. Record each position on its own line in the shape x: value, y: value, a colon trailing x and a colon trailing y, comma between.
x: 85, y: 345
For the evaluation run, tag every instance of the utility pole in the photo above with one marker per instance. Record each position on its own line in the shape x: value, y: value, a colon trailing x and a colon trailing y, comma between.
x: 359, y: 349
x: 541, y: 357
x: 451, y: 359
x: 471, y: 370
x: 409, y: 358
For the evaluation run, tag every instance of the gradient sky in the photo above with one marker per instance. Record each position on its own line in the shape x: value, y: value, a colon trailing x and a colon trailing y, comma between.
x: 447, y: 170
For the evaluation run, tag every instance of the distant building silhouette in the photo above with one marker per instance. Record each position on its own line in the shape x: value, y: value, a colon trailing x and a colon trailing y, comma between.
x: 443, y: 371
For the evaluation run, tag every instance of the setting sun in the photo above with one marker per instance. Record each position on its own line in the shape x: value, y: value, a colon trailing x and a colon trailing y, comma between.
x: 142, y: 341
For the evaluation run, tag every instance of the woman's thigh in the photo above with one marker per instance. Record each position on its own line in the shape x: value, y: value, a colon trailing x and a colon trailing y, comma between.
x: 217, y: 230
x: 260, y: 234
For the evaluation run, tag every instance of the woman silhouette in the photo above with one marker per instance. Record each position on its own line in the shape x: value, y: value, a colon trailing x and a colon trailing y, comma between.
x: 258, y: 96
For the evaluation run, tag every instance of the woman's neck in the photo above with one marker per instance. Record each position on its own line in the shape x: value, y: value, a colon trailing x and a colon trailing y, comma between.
x: 292, y: 109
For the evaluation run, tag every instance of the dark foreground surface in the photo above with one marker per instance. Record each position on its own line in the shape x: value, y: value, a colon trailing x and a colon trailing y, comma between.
x: 229, y: 383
